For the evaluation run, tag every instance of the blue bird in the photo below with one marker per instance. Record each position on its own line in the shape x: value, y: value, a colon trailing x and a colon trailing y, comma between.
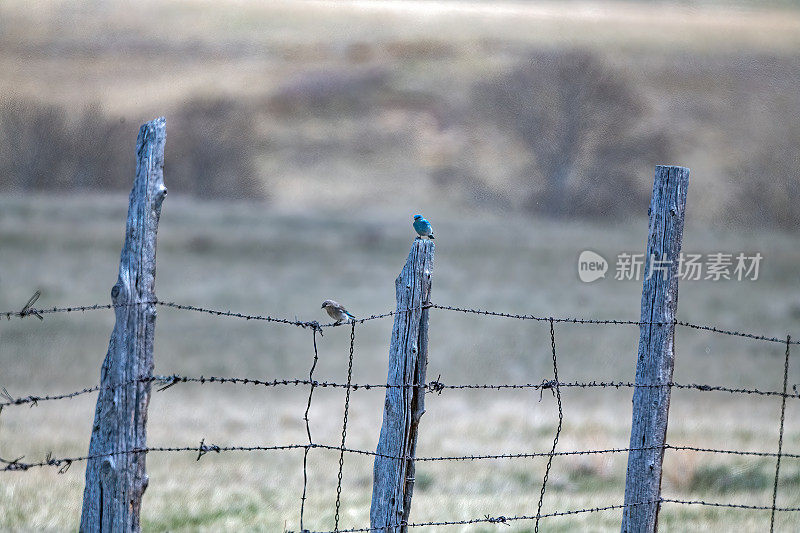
x: 423, y: 227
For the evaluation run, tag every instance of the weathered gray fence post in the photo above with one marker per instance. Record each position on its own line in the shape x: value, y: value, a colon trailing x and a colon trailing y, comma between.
x: 656, y: 356
x: 393, y: 481
x: 115, y: 483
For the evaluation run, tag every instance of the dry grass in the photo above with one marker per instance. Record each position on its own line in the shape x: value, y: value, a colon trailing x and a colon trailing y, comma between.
x: 240, y: 257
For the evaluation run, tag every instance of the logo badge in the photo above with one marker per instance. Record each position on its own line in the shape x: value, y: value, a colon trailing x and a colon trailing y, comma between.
x: 591, y: 266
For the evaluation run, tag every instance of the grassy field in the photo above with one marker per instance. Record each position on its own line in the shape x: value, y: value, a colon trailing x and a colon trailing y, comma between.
x: 244, y: 257
x: 341, y: 181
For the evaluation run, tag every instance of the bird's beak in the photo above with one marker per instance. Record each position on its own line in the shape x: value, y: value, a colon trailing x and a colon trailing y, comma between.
x: 323, y: 306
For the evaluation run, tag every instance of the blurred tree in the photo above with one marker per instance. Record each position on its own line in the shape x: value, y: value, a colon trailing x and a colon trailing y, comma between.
x: 330, y: 93
x: 768, y: 184
x: 585, y: 127
x: 211, y: 149
x: 100, y: 152
x: 33, y: 139
x: 211, y: 152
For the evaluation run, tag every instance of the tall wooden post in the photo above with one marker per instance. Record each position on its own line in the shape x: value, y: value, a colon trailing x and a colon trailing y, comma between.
x: 115, y: 483
x: 656, y: 357
x: 393, y: 482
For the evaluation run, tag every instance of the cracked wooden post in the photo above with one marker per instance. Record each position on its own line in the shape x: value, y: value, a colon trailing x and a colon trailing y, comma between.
x: 393, y: 482
x: 115, y: 483
x: 656, y: 358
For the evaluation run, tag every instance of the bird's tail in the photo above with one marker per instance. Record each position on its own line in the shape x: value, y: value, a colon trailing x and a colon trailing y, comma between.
x: 351, y: 317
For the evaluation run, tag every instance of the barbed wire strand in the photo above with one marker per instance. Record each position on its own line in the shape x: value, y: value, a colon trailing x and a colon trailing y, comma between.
x: 506, y: 519
x: 575, y: 320
x: 28, y: 310
x: 17, y: 464
x: 732, y: 505
x: 488, y: 519
x: 344, y: 425
x: 435, y: 386
x: 780, y: 436
x: 558, y: 429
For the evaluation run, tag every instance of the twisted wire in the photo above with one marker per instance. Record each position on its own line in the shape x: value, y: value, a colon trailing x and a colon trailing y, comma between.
x: 558, y: 430
x: 344, y: 426
x: 780, y: 437
x: 308, y: 428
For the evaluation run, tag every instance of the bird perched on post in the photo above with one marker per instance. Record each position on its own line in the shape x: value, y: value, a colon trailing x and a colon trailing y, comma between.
x: 423, y: 227
x: 336, y: 311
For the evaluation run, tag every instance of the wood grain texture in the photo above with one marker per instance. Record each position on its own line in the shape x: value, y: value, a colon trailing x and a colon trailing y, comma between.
x: 393, y: 482
x: 115, y: 484
x: 656, y: 357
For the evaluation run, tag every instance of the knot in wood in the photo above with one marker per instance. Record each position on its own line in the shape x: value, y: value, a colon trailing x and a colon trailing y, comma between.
x: 108, y: 466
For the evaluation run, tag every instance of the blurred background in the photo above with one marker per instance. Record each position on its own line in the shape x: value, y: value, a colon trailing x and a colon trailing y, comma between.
x: 555, y: 108
x: 301, y: 138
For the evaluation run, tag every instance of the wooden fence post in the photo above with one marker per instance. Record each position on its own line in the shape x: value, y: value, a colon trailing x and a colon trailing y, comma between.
x: 393, y: 481
x: 115, y: 481
x: 656, y: 356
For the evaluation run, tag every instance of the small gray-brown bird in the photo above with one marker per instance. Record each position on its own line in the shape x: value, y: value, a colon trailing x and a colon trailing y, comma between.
x: 336, y: 311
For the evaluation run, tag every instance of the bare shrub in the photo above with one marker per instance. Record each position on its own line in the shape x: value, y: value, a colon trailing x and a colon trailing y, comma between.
x: 42, y: 149
x: 768, y: 183
x: 100, y: 152
x: 585, y: 127
x: 211, y: 149
x: 330, y: 92
x: 210, y: 152
x: 33, y: 138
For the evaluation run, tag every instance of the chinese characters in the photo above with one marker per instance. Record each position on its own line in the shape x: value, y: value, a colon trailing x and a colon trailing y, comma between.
x: 712, y: 266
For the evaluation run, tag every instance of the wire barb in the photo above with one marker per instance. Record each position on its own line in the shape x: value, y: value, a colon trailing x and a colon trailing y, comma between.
x: 27, y: 309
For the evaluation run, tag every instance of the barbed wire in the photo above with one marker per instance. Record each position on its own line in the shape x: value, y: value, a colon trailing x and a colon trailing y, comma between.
x: 17, y: 464
x: 618, y: 322
x: 487, y: 519
x: 65, y: 462
x: 29, y: 310
x: 435, y: 386
x: 501, y: 519
x: 304, y: 324
x: 167, y: 381
x: 731, y: 505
